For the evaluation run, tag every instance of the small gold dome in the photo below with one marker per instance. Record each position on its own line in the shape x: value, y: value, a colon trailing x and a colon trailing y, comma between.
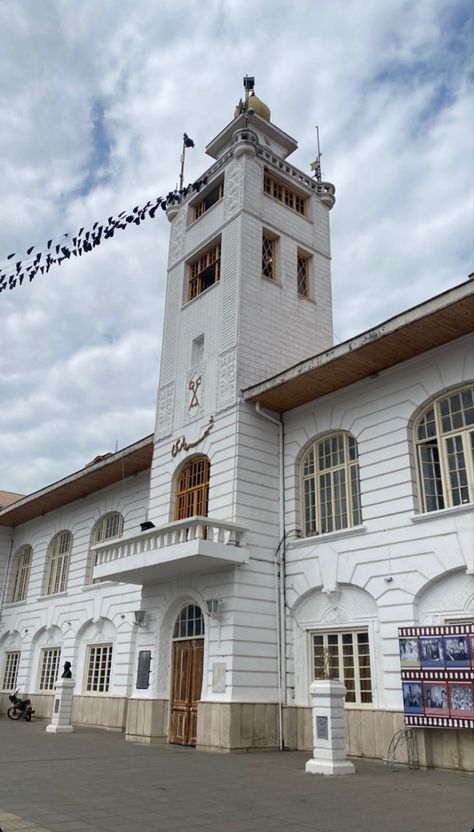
x: 259, y: 106
x: 255, y: 104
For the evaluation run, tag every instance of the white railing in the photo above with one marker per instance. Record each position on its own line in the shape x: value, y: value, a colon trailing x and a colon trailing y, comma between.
x: 180, y: 531
x: 301, y: 178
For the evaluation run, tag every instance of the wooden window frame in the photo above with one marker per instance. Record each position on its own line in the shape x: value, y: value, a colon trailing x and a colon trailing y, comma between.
x: 303, y: 288
x: 22, y: 564
x: 98, y: 670
x: 50, y: 658
x: 339, y: 482
x: 204, y: 270
x: 437, y: 439
x: 192, y: 488
x: 355, y: 697
x: 205, y: 203
x: 59, y: 556
x: 10, y: 669
x: 291, y: 198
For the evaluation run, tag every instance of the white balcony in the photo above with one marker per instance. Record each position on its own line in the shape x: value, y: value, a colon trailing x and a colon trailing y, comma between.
x: 197, y: 544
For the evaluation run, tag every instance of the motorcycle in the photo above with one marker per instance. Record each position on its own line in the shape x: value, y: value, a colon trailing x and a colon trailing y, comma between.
x: 20, y: 708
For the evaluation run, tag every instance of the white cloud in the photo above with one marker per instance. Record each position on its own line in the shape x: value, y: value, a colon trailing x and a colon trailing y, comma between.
x: 388, y: 83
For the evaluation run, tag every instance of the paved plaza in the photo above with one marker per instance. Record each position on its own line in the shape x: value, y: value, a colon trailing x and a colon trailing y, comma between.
x: 94, y: 781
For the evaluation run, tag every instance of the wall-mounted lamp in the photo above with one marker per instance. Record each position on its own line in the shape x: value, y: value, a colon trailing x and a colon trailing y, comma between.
x: 139, y: 617
x: 213, y: 606
x: 147, y: 524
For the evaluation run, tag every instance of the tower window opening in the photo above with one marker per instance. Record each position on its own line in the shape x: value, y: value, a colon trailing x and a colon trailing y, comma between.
x: 278, y: 190
x: 204, y: 271
x: 268, y: 257
x: 302, y: 275
x: 208, y: 200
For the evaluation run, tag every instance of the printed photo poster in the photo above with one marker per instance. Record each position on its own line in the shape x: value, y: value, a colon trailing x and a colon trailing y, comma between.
x: 456, y: 651
x: 432, y: 651
x: 409, y: 652
x: 435, y: 697
x: 412, y: 697
x: 471, y: 648
x: 461, y: 699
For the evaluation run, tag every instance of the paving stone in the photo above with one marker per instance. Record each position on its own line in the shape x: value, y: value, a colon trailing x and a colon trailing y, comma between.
x: 93, y: 781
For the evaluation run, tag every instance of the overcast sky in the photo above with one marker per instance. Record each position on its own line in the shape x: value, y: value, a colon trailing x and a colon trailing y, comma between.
x: 94, y: 98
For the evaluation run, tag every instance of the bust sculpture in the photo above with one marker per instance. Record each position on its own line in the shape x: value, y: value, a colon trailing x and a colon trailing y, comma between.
x: 67, y: 671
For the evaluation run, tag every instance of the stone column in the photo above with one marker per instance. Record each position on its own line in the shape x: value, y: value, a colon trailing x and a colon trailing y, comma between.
x: 61, y: 718
x: 329, y: 732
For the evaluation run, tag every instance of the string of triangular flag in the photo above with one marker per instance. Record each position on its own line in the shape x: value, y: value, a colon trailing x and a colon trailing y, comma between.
x: 40, y: 258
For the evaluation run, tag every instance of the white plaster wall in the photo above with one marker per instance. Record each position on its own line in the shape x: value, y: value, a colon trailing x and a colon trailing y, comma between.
x: 59, y: 620
x: 416, y: 551
x: 244, y: 488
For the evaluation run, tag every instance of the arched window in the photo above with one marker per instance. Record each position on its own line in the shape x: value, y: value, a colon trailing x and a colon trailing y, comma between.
x: 192, y: 489
x: 108, y: 527
x: 189, y: 623
x: 444, y: 439
x: 21, y: 574
x: 59, y: 551
x: 330, y: 485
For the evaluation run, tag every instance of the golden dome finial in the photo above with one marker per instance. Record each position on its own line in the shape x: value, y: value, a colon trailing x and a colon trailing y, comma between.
x: 252, y: 103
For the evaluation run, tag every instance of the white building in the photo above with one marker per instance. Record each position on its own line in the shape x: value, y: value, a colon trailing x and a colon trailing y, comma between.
x: 288, y: 502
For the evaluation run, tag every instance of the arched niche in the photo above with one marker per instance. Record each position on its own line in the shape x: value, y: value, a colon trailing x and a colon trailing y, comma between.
x: 448, y: 598
x: 348, y: 609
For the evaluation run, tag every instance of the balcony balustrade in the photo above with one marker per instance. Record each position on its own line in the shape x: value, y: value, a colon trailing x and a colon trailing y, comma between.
x: 197, y: 544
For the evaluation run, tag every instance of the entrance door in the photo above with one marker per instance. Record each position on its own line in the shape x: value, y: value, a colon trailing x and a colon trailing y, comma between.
x: 186, y: 690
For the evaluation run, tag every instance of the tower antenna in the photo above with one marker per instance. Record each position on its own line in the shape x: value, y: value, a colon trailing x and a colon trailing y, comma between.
x: 316, y: 165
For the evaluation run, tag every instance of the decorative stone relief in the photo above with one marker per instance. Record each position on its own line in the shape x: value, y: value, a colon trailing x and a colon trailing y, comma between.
x: 233, y: 189
x: 194, y: 393
x: 177, y: 237
x: 226, y: 378
x: 334, y: 614
x: 165, y: 411
x: 352, y: 604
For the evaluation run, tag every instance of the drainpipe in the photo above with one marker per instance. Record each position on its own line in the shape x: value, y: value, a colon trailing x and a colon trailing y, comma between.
x: 281, y: 580
x: 5, y: 580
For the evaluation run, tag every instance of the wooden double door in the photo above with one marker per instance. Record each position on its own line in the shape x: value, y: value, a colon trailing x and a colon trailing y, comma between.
x: 186, y: 687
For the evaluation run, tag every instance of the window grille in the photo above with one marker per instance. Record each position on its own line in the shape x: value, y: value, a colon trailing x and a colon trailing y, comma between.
x: 59, y: 552
x: 278, y: 190
x: 190, y: 623
x: 50, y: 659
x: 99, y: 668
x: 268, y: 257
x: 205, y: 271
x: 208, y: 201
x: 331, y: 485
x: 22, y: 574
x: 192, y: 489
x: 444, y: 438
x: 12, y: 663
x: 348, y: 657
x: 302, y: 275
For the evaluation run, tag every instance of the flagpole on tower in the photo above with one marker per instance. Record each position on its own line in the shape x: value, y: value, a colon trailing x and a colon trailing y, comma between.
x: 316, y: 165
x: 187, y: 142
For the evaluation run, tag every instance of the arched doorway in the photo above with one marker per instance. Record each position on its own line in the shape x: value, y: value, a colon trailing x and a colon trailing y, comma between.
x: 186, y: 676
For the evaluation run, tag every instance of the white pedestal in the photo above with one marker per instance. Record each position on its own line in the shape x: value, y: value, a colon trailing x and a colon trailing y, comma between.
x: 329, y: 732
x: 61, y: 718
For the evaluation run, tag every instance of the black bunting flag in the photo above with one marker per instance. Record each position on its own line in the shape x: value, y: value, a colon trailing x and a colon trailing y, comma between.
x: 85, y: 242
